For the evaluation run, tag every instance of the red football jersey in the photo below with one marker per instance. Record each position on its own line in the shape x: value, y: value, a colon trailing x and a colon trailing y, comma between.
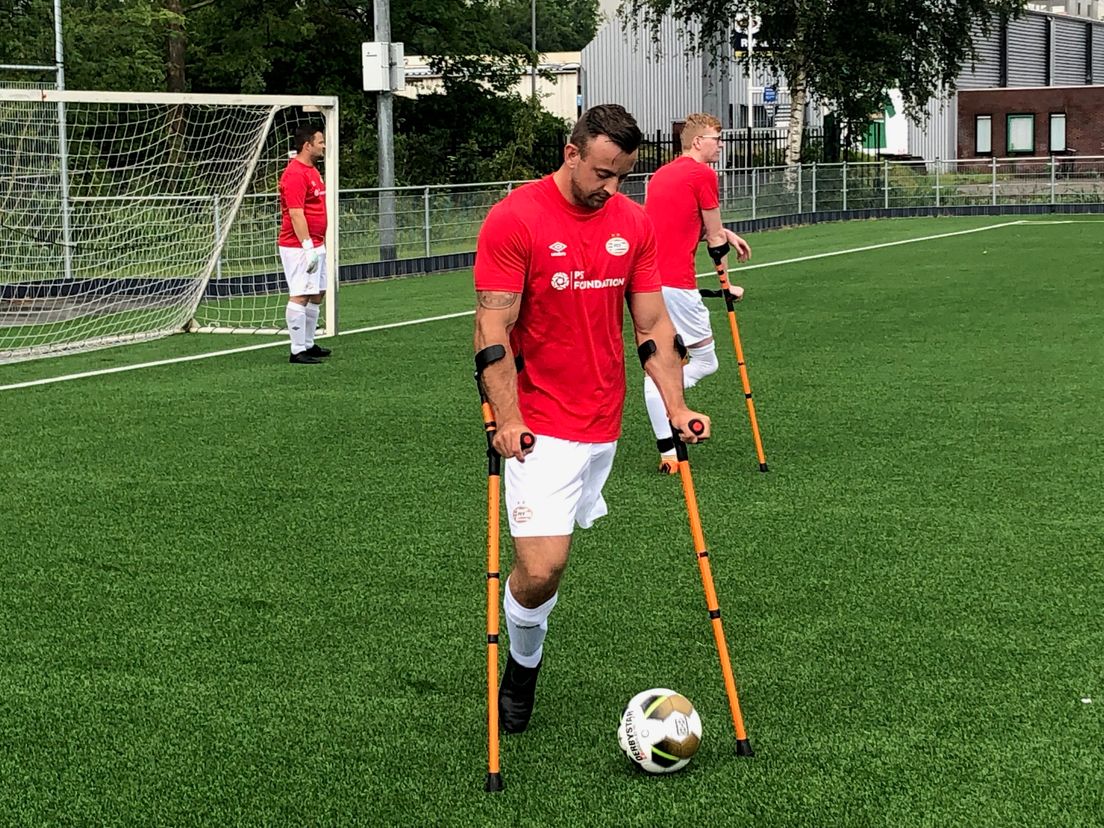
x: 301, y: 187
x: 677, y: 194
x: 573, y: 267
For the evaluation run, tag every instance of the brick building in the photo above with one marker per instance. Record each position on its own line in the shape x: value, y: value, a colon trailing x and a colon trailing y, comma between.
x: 1036, y: 89
x: 1062, y: 120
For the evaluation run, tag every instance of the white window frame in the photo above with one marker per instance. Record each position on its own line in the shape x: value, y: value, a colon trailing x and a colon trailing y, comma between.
x: 1019, y: 118
x: 983, y: 147
x: 1056, y: 119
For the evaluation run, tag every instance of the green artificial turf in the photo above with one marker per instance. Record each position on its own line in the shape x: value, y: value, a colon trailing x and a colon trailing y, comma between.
x: 234, y: 591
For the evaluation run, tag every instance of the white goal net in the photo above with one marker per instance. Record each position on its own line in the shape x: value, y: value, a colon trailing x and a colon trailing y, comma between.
x: 127, y: 217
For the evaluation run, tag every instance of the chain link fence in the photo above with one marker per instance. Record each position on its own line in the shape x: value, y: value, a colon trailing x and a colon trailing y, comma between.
x: 440, y: 219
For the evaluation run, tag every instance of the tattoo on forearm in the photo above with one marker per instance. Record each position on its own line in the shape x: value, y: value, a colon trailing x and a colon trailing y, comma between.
x: 496, y: 299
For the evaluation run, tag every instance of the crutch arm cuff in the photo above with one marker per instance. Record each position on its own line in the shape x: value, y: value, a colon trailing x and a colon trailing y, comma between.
x: 647, y: 349
x: 680, y: 348
x: 719, y: 252
x: 489, y: 356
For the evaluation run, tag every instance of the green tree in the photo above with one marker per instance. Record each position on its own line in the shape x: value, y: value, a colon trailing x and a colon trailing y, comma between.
x: 108, y: 44
x: 312, y: 47
x: 562, y: 25
x: 472, y: 137
x: 850, y: 52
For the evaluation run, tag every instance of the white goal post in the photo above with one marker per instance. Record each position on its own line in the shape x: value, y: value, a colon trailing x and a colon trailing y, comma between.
x: 131, y: 216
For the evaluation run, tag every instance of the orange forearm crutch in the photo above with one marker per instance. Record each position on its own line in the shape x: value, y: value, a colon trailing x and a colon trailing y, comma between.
x: 722, y: 274
x: 488, y: 356
x: 743, y: 746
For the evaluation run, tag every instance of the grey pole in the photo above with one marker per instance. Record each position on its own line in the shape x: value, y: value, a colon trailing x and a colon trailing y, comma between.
x: 385, y: 130
x: 533, y: 43
x: 63, y: 144
x: 713, y: 77
x: 750, y: 94
x: 218, y: 235
x: 724, y: 91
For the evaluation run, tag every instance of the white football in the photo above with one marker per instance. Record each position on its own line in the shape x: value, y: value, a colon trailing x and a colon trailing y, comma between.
x: 660, y: 730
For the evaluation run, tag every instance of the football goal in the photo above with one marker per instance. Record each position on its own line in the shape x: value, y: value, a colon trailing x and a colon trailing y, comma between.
x: 131, y: 216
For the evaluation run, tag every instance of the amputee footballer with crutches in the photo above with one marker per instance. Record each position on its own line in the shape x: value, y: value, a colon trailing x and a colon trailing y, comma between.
x: 556, y: 262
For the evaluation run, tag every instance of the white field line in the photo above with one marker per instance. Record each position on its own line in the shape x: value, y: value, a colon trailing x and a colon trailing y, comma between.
x: 742, y: 268
x: 1029, y: 222
x: 279, y: 343
x: 283, y: 342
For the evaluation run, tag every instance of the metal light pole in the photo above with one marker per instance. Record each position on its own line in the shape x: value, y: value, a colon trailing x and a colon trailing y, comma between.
x: 63, y: 144
x: 533, y: 43
x: 58, y: 69
x: 385, y: 132
x: 751, y: 83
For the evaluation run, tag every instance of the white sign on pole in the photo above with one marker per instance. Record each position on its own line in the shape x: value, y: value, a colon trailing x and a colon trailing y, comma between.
x: 374, y: 62
x: 383, y: 66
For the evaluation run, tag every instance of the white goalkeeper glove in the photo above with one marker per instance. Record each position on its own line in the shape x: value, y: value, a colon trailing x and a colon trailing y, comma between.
x: 310, y: 255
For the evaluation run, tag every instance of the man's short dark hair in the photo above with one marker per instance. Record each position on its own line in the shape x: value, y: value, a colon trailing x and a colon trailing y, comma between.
x: 610, y: 120
x: 305, y: 135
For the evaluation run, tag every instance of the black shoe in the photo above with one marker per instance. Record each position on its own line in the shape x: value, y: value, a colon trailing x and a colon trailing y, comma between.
x: 516, y: 695
x: 304, y: 358
x: 317, y: 350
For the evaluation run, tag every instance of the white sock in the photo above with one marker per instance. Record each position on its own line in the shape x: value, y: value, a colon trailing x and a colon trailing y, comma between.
x: 296, y: 316
x: 657, y: 413
x: 703, y: 362
x: 527, y: 628
x: 312, y: 322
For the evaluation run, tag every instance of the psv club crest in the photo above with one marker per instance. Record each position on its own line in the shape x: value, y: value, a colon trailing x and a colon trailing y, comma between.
x: 617, y: 246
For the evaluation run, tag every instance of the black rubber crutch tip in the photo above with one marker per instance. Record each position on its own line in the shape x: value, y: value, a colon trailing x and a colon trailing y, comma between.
x: 763, y: 467
x: 743, y: 748
x: 494, y: 783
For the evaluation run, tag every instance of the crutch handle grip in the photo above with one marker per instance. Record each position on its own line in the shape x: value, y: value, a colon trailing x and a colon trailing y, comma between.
x: 527, y: 441
x: 697, y: 427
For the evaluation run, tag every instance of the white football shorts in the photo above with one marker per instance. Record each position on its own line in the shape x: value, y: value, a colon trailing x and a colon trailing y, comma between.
x: 558, y: 487
x: 689, y: 313
x: 301, y: 283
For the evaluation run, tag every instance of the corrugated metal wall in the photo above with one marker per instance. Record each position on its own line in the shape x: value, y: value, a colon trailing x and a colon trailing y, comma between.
x: 1027, y: 51
x: 662, y: 82
x: 1098, y: 54
x: 985, y: 73
x: 1069, y: 52
x: 937, y: 138
x: 657, y: 83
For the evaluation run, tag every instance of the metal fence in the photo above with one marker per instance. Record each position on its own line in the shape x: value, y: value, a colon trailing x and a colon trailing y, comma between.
x: 764, y: 146
x: 439, y: 219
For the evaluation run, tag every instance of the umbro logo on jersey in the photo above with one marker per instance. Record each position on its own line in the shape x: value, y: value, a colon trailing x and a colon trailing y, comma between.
x: 558, y: 249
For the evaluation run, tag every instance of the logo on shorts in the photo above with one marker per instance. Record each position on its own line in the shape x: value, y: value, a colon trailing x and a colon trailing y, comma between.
x: 560, y: 280
x: 617, y: 246
x: 522, y: 514
x: 558, y: 249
